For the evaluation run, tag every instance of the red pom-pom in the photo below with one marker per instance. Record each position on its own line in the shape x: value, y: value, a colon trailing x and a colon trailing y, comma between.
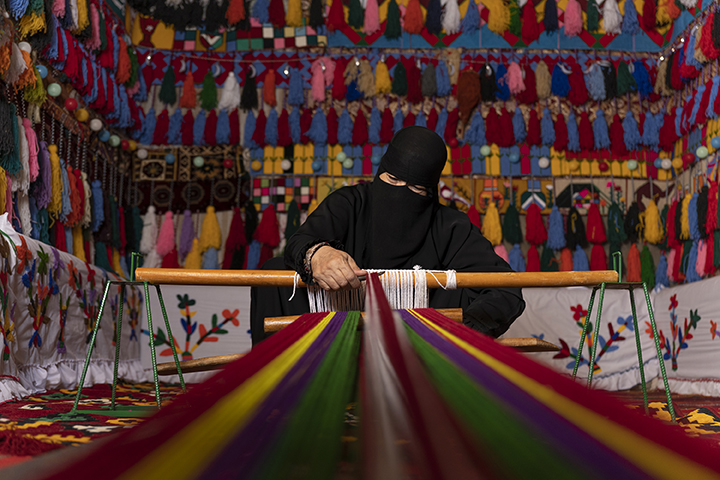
x: 648, y: 15
x: 236, y: 238
x: 451, y: 128
x: 386, y: 126
x: 595, y: 229
x: 234, y: 122
x: 414, y: 94
x: 533, y: 260
x: 432, y: 118
x: 598, y: 258
x: 161, y: 128
x: 561, y: 133
x: 578, y: 90
x: 360, y: 129
x: 535, y: 231
x: 305, y: 123
x: 585, y: 131
x: 339, y: 89
x: 259, y: 133
x: 336, y: 17
x: 187, y: 128
x: 211, y: 128
x: 617, y: 137
x: 529, y: 95
x: 409, y: 120
x: 492, y: 127
x: 533, y: 131
x: 332, y: 127
x: 284, y: 138
x: 170, y: 260
x: 474, y: 216
x: 507, y: 135
x: 530, y: 29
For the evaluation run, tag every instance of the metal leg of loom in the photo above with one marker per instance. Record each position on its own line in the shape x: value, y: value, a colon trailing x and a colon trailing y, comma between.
x: 172, y: 339
x: 152, y: 343
x: 656, y: 337
x: 639, y: 349
x: 90, y: 348
x: 118, y: 336
x: 593, y: 349
x: 583, y: 334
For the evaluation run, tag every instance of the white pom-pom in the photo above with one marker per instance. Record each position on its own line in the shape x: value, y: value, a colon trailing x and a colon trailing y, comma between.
x: 451, y: 17
x: 612, y: 20
x: 96, y: 125
x: 142, y: 154
x: 230, y: 96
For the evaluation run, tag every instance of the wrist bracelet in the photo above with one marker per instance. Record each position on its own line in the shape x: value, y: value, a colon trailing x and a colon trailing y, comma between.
x: 311, y: 253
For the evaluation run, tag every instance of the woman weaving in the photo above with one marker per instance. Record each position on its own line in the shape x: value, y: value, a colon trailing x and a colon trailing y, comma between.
x: 394, y: 222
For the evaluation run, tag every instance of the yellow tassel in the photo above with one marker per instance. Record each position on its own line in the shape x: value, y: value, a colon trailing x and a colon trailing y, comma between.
x: 313, y: 205
x: 83, y: 20
x: 499, y: 19
x: 684, y: 219
x: 31, y: 24
x: 116, y: 262
x: 382, y: 78
x: 293, y: 17
x: 210, y: 235
x: 653, y: 224
x: 55, y: 206
x: 491, y: 228
x: 35, y: 92
x: 3, y: 190
x: 194, y: 258
x: 662, y: 16
x: 78, y: 245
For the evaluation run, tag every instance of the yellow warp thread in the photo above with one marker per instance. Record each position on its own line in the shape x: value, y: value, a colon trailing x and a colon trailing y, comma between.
x: 78, y: 244
x: 194, y: 258
x: 653, y: 232
x: 201, y: 441
x: 294, y: 17
x: 655, y: 459
x: 499, y: 19
x: 684, y: 219
x: 3, y: 190
x: 210, y: 235
x: 382, y: 78
x: 491, y: 228
x: 55, y: 206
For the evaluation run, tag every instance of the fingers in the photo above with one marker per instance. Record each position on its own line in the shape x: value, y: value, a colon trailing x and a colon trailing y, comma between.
x: 335, y: 270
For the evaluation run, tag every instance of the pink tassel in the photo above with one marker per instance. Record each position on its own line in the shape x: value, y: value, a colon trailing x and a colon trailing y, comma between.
x: 516, y: 84
x: 372, y: 17
x: 33, y: 149
x: 701, y: 258
x: 671, y: 262
x: 58, y: 8
x: 321, y: 78
x: 573, y: 18
x: 166, y: 236
x: 501, y: 252
x: 95, y: 43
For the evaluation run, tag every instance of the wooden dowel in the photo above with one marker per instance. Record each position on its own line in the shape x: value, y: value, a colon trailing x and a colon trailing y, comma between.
x: 285, y: 278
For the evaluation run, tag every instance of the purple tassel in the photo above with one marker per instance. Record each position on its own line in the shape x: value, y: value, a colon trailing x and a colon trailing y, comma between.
x: 187, y: 234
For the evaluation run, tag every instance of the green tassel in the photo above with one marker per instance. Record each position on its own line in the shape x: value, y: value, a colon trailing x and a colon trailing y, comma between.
x: 593, y: 16
x: 168, y: 94
x: 647, y: 268
x: 663, y: 218
x: 392, y: 27
x: 716, y: 249
x: 134, y: 67
x: 103, y: 34
x: 293, y: 220
x: 208, y: 96
x: 399, y: 83
x: 515, y: 24
x: 101, y: 257
x: 625, y: 80
x: 616, y: 227
x: 511, y: 225
x: 685, y: 256
x: 356, y: 16
x: 548, y: 262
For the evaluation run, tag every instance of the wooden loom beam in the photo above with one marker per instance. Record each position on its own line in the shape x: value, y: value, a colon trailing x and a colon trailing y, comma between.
x: 285, y: 278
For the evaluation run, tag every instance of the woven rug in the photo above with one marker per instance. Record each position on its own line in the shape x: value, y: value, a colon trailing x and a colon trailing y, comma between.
x: 40, y: 423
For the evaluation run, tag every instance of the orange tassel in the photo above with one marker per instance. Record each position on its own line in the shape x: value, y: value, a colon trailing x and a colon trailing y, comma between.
x: 27, y: 78
x: 633, y: 265
x: 4, y: 58
x: 235, y: 11
x: 672, y: 9
x: 566, y: 260
x: 122, y: 74
x: 269, y: 88
x: 413, y: 17
x: 188, y: 98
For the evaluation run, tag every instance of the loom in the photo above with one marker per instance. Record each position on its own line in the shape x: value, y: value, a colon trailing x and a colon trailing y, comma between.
x: 419, y: 396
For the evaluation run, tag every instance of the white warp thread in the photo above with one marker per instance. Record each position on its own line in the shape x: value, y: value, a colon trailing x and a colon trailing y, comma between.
x: 403, y: 288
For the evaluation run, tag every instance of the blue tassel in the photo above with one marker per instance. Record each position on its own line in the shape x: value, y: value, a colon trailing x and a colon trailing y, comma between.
x: 595, y: 83
x: 222, y: 131
x: 651, y: 135
x: 94, y: 90
x: 516, y: 259
x: 600, y: 131
x: 374, y: 126
x: 68, y: 240
x: 271, y: 128
x: 296, y: 95
x: 98, y: 214
x: 661, y: 277
x: 116, y: 47
x: 630, y: 23
x: 249, y: 131
x: 518, y: 126
x: 420, y: 120
x: 642, y: 79
x: 115, y: 113
x: 66, y: 204
x: 690, y: 59
x: 210, y: 259
x: 398, y: 120
x: 556, y: 230
x: 573, y: 133
x: 148, y: 129
x: 352, y: 93
x: 125, y: 117
x: 580, y: 260
x: 141, y: 94
x: 442, y: 78
x: 174, y: 127
x: 631, y: 132
x: 696, y: 106
x: 547, y: 129
x: 52, y: 49
x: 43, y: 226
x: 678, y: 121
x: 710, y: 112
x: 260, y: 12
x: 345, y: 128
x: 34, y: 233
x: 471, y: 21
x: 199, y: 129
x: 318, y: 129
x: 691, y: 274
x: 475, y: 135
x: 560, y: 84
x: 693, y: 218
x: 503, y: 89
x: 253, y: 256
x: 294, y: 121
x: 441, y: 123
x: 64, y: 43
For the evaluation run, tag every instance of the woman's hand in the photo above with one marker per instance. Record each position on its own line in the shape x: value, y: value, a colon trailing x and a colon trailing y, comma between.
x: 335, y: 270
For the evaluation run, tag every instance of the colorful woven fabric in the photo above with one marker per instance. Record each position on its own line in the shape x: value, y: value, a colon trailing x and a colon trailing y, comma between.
x: 435, y: 400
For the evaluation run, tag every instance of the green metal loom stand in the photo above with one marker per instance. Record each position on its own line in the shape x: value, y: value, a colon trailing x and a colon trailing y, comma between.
x: 146, y: 285
x: 629, y: 286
